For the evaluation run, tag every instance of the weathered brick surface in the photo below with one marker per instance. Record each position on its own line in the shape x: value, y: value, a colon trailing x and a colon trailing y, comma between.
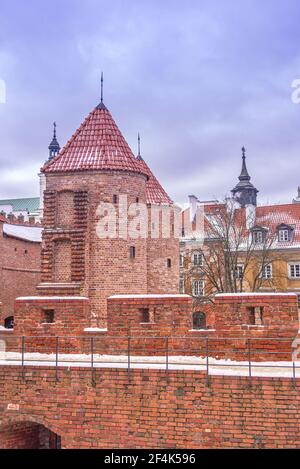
x: 73, y: 252
x: 149, y: 411
x: 169, y: 317
x: 19, y: 271
x: 26, y: 435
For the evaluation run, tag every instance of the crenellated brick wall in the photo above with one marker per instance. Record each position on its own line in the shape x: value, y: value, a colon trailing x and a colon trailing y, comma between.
x: 150, y: 319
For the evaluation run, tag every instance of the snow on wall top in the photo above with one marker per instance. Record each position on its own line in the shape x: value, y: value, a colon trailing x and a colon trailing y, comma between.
x: 27, y: 233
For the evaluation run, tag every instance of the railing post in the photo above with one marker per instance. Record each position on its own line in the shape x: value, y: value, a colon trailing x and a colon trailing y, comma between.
x: 249, y: 357
x: 207, y: 359
x: 56, y: 358
x: 294, y: 373
x: 167, y: 358
x: 92, y: 362
x: 128, y: 356
x: 22, y: 356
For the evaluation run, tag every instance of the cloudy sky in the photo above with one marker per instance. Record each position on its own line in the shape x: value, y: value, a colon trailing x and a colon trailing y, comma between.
x: 199, y: 79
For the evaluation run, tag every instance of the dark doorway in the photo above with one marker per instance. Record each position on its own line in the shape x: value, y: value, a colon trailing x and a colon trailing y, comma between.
x: 28, y: 435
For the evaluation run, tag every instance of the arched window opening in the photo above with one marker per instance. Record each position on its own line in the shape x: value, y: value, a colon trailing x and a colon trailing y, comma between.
x: 199, y: 320
x: 9, y: 322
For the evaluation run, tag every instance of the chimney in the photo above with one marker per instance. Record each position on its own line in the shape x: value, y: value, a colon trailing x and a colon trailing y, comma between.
x: 193, y: 206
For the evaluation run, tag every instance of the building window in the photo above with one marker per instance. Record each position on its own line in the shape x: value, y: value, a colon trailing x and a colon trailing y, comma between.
x: 145, y: 315
x: 199, y: 320
x: 283, y: 235
x: 132, y: 252
x: 169, y: 263
x: 9, y: 322
x: 198, y: 287
x: 49, y: 316
x: 197, y: 258
x: 239, y: 271
x: 266, y: 271
x: 137, y: 200
x: 181, y: 286
x: 258, y: 237
x: 294, y: 270
x: 181, y: 259
x: 115, y: 199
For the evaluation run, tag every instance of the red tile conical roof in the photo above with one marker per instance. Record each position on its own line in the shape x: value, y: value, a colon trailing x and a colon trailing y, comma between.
x: 99, y: 145
x: 155, y: 193
x: 96, y: 145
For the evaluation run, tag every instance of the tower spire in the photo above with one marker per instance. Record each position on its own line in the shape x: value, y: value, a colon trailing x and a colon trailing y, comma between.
x: 139, y: 157
x: 54, y: 147
x: 244, y: 192
x: 101, y: 105
x: 244, y: 176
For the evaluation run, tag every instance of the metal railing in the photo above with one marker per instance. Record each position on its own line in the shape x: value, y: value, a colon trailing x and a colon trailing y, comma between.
x: 249, y: 355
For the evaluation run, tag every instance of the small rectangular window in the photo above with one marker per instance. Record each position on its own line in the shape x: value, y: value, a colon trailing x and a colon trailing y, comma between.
x: 115, y: 199
x: 181, y: 286
x: 283, y: 235
x: 258, y: 237
x: 169, y: 263
x: 132, y: 252
x: 255, y: 315
x: 238, y: 272
x: 294, y: 270
x: 197, y: 258
x: 49, y: 316
x: 266, y: 271
x: 181, y: 259
x: 145, y: 314
x: 198, y: 287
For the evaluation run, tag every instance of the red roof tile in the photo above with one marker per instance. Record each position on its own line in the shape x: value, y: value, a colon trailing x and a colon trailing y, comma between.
x: 274, y: 215
x: 156, y: 195
x: 99, y: 145
x: 268, y: 216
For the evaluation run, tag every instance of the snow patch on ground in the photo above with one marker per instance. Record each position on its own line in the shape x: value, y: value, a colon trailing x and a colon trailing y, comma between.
x: 215, y: 367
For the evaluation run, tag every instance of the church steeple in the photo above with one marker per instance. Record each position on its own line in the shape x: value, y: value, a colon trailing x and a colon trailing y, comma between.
x: 244, y: 192
x: 54, y: 147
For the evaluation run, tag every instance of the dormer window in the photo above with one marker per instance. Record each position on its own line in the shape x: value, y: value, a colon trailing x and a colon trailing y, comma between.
x: 258, y: 237
x: 285, y: 233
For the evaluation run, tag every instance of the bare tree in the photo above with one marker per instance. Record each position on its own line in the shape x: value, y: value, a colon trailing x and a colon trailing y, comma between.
x: 235, y: 254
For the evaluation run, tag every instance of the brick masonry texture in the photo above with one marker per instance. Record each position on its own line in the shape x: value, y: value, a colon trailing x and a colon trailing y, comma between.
x: 169, y: 316
x: 149, y: 411
x: 20, y: 271
x: 72, y: 252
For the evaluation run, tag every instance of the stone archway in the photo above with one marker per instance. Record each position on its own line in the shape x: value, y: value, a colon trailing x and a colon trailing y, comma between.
x: 28, y: 435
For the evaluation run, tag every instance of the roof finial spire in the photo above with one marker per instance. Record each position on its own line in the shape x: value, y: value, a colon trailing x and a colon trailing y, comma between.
x: 101, y: 105
x: 244, y: 173
x: 54, y: 147
x: 139, y: 145
x: 139, y: 157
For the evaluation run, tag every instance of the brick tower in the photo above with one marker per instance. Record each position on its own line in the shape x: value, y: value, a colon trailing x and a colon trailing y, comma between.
x: 94, y: 168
